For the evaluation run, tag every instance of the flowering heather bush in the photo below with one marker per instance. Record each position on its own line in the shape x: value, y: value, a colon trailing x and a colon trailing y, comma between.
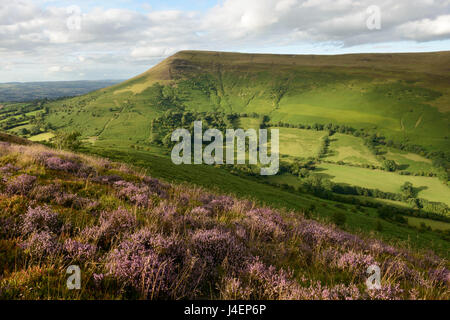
x: 214, y: 246
x: 139, y: 196
x: 220, y: 204
x: 56, y: 163
x: 355, y: 262
x: 265, y: 224
x: 8, y: 168
x: 73, y: 166
x: 79, y: 252
x: 111, y: 225
x: 45, y: 193
x: 40, y: 219
x: 20, y: 185
x: 41, y: 245
x: 257, y: 281
x: 156, y: 186
x: 70, y: 200
x: 441, y: 275
x: 387, y: 292
x: 152, y: 264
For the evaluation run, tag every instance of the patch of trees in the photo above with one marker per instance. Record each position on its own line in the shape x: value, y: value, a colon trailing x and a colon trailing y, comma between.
x: 162, y: 127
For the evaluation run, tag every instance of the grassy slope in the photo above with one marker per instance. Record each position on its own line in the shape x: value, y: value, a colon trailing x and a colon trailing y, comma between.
x: 155, y: 246
x: 383, y: 93
x: 399, y: 95
x: 223, y: 181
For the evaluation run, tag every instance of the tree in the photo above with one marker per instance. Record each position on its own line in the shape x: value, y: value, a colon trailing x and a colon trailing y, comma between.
x: 408, y: 190
x: 67, y: 140
x: 389, y: 165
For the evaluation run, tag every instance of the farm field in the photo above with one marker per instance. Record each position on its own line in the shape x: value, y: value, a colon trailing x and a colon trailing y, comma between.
x: 408, y: 161
x: 42, y: 137
x: 431, y: 188
x: 350, y: 149
x: 433, y: 224
x: 300, y: 143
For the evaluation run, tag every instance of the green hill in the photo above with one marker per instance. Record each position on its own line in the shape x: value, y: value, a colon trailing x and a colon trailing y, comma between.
x: 342, y: 120
x: 404, y: 97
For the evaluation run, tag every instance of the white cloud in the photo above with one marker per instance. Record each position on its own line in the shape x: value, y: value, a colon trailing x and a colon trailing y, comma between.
x: 134, y: 40
x: 427, y: 29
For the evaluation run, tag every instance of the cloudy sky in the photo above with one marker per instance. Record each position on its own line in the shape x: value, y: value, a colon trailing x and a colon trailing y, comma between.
x: 43, y: 40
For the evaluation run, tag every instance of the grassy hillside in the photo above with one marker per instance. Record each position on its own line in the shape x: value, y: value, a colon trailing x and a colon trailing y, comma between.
x: 401, y: 96
x: 353, y: 130
x: 137, y: 237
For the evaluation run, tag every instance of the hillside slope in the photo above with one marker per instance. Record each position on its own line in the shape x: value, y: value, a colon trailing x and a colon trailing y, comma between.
x: 136, y: 237
x: 405, y: 97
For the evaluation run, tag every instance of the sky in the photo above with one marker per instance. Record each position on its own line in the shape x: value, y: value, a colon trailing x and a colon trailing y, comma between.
x: 46, y: 40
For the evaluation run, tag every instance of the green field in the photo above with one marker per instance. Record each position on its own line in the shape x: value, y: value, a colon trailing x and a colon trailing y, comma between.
x: 300, y: 143
x: 350, y: 149
x: 433, y: 224
x: 431, y: 188
x: 42, y: 137
x: 408, y: 161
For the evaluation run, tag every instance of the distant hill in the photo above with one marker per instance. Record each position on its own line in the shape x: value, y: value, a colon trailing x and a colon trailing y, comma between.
x: 404, y: 97
x: 27, y: 91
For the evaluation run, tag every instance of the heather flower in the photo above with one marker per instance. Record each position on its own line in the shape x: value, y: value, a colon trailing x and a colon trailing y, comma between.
x: 265, y: 224
x: 355, y: 262
x: 41, y: 244
x: 156, y: 186
x: 317, y: 291
x: 45, y: 193
x: 200, y: 211
x: 20, y: 185
x: 78, y: 251
x: 386, y: 292
x: 140, y: 196
x: 313, y: 233
x: 98, y: 278
x: 440, y: 275
x: 151, y: 264
x: 8, y: 169
x: 70, y: 200
x: 111, y: 225
x: 165, y: 210
x: 73, y: 166
x: 257, y: 281
x: 400, y: 270
x: 56, y: 163
x: 40, y: 219
x: 214, y: 246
